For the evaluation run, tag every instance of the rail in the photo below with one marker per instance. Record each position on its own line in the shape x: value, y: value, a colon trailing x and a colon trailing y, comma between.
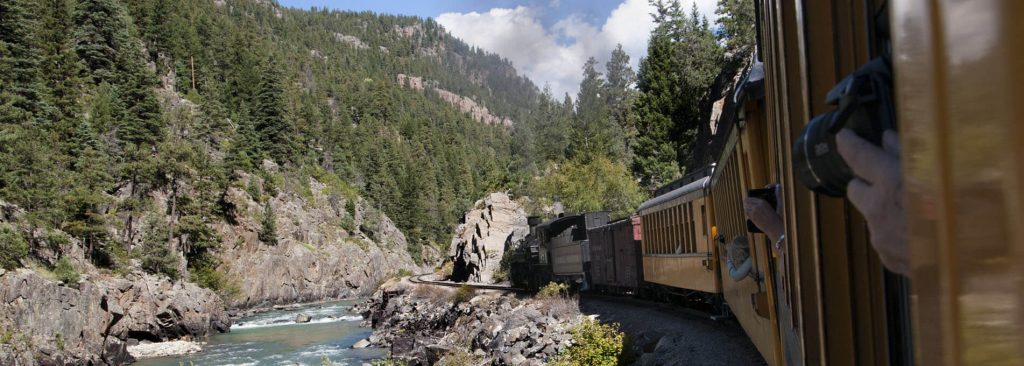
x: 418, y: 279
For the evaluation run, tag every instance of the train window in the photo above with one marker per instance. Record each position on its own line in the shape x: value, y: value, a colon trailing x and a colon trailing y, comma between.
x: 703, y: 221
x: 678, y: 244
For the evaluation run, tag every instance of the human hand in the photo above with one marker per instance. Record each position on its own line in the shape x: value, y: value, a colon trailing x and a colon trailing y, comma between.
x: 764, y: 216
x: 877, y: 192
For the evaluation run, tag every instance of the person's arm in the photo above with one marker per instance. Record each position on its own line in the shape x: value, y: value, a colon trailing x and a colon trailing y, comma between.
x: 738, y: 273
x: 764, y: 216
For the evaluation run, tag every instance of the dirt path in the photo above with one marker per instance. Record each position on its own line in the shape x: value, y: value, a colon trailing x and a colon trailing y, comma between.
x: 671, y: 336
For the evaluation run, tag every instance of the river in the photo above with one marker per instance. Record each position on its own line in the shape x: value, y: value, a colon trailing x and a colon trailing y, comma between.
x: 273, y: 338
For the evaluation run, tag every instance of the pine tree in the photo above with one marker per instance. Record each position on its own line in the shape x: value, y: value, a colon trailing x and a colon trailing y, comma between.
x: 594, y: 132
x: 736, y: 18
x: 61, y: 68
x: 275, y: 135
x: 682, y: 61
x: 620, y: 95
x: 99, y: 35
x: 268, y: 229
x: 655, y: 161
x: 141, y: 122
x: 20, y: 97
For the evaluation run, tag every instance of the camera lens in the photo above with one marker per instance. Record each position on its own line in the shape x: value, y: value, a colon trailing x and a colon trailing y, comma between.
x: 817, y: 161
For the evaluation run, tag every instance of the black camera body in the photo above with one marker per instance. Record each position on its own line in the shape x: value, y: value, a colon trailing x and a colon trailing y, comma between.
x: 864, y: 104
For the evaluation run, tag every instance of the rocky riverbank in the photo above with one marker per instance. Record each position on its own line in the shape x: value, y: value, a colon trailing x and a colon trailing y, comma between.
x: 428, y: 325
x: 94, y: 321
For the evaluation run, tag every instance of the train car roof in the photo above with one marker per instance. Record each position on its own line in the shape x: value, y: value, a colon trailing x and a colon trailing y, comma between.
x: 676, y: 193
x: 628, y: 219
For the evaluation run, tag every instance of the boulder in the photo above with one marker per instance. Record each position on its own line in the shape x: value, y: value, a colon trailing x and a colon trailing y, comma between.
x: 302, y: 318
x: 363, y: 343
x: 96, y: 321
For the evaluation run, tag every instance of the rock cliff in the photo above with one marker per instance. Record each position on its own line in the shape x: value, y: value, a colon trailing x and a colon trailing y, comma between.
x: 329, y: 246
x: 44, y: 322
x: 479, y: 242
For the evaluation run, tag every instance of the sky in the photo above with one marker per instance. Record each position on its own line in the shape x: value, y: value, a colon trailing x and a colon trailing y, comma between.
x: 547, y: 40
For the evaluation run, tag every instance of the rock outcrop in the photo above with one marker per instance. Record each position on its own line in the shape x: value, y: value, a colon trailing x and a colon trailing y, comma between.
x: 423, y: 325
x: 45, y: 322
x: 330, y: 246
x: 480, y: 241
x: 479, y: 112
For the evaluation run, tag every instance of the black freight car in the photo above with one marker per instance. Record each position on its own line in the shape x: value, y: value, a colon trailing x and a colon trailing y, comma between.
x: 615, y: 257
x: 555, y: 250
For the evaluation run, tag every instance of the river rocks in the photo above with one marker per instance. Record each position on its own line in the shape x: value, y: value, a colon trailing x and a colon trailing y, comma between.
x: 92, y: 324
x: 480, y: 241
x: 420, y: 324
x: 302, y: 318
x: 329, y: 246
x: 163, y: 349
x: 363, y: 343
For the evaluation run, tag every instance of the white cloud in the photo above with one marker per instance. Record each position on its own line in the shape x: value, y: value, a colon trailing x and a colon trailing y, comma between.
x: 517, y: 34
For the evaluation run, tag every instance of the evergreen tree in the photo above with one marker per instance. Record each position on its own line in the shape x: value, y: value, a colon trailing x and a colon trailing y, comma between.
x: 99, y: 35
x: 620, y: 95
x: 268, y: 226
x: 141, y: 122
x: 655, y: 161
x: 275, y: 135
x: 61, y: 68
x: 682, y: 61
x: 736, y: 18
x: 594, y: 132
x: 20, y: 97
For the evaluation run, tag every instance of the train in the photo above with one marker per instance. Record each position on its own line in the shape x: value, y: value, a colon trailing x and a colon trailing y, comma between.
x: 824, y: 297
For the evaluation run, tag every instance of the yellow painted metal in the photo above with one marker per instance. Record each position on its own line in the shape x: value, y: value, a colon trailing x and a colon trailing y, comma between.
x: 681, y: 271
x: 960, y: 70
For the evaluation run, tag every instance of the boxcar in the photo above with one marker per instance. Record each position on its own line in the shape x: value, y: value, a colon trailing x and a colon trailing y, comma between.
x: 615, y: 258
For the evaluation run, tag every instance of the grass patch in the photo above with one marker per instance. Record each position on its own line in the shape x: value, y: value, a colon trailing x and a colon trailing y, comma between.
x: 463, y: 294
x: 459, y: 358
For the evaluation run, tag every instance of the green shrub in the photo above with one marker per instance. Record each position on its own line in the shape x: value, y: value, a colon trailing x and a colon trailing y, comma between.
x: 459, y: 357
x: 445, y: 272
x: 12, y: 247
x: 389, y: 361
x: 404, y: 273
x: 66, y: 272
x: 203, y: 271
x: 155, y: 255
x: 463, y: 294
x: 499, y: 276
x: 593, y: 344
x: 552, y: 290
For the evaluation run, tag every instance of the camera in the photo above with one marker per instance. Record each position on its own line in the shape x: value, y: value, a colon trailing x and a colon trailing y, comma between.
x: 864, y: 104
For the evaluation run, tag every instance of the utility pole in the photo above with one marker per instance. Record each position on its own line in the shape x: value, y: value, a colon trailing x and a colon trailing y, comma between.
x: 192, y: 61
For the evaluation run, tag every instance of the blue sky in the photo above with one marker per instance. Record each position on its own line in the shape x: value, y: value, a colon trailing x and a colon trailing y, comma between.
x: 554, y: 10
x: 546, y: 40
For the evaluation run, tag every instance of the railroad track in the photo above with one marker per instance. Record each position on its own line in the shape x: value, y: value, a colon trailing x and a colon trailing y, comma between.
x: 418, y: 279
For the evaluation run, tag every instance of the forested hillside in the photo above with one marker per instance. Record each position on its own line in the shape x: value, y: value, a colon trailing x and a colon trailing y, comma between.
x: 107, y: 105
x: 105, y: 102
